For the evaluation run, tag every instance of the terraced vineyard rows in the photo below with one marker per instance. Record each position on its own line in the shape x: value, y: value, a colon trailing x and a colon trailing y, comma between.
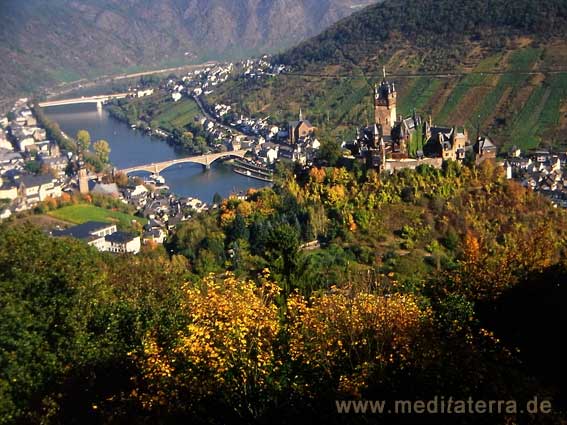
x: 516, y: 96
x: 514, y: 107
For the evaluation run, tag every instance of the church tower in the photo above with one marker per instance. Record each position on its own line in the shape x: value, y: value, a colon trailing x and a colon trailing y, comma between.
x: 83, y: 181
x: 385, y: 98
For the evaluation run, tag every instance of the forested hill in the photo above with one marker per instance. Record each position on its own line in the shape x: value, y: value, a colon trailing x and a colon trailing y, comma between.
x: 44, y: 42
x: 433, y: 23
x: 501, y: 62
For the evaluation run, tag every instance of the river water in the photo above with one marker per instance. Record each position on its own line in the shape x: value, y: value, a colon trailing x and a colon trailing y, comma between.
x: 131, y: 147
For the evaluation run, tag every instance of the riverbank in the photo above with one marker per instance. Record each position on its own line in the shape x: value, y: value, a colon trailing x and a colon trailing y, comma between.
x: 250, y: 169
x: 189, y: 136
x: 130, y: 148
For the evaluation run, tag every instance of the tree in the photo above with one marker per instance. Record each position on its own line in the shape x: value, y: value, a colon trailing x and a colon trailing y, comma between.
x: 121, y: 180
x: 282, y: 251
x: 217, y: 198
x: 32, y: 166
x: 83, y: 141
x: 225, y: 355
x: 330, y: 151
x: 102, y: 150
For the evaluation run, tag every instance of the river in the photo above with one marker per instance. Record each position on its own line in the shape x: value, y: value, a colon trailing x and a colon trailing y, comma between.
x: 130, y: 147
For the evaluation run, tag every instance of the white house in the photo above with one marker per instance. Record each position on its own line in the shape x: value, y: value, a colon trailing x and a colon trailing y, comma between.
x: 269, y: 153
x: 123, y: 243
x: 58, y: 163
x: 92, y: 232
x: 8, y: 157
x: 139, y: 190
x: 155, y: 235
x: 8, y: 191
x: 26, y: 143
x: 4, y: 214
x: 4, y: 143
x: 104, y: 237
x: 144, y: 93
x: 38, y: 188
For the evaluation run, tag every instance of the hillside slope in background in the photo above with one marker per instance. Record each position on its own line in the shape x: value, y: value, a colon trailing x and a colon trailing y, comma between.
x: 62, y: 40
x: 500, y: 63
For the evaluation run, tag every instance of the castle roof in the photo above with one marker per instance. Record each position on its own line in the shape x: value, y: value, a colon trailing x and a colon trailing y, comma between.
x: 295, y: 124
x: 484, y: 144
x: 445, y: 133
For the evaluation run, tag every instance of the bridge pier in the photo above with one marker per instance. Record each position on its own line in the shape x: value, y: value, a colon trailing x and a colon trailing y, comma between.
x: 99, y: 106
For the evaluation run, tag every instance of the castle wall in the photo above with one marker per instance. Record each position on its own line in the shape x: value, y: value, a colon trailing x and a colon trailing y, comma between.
x: 393, y: 165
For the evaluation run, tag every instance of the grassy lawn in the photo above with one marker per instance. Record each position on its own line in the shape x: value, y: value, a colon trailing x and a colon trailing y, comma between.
x: 82, y: 213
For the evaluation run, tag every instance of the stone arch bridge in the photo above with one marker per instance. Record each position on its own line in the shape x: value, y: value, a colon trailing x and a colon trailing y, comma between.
x: 205, y: 160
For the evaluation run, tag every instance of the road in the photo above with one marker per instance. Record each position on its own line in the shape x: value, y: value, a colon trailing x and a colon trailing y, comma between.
x: 66, y: 88
x: 216, y: 120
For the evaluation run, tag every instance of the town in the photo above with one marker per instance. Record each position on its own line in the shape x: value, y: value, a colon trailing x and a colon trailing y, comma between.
x: 35, y: 169
x: 276, y: 212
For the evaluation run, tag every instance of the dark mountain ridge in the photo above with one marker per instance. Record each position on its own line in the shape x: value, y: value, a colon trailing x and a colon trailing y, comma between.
x: 63, y: 40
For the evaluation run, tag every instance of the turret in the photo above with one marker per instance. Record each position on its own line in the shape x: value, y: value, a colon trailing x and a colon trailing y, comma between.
x: 377, y: 132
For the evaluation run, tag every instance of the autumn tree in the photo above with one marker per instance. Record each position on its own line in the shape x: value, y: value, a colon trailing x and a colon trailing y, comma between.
x: 102, y: 150
x: 345, y: 338
x: 83, y: 139
x: 226, y: 353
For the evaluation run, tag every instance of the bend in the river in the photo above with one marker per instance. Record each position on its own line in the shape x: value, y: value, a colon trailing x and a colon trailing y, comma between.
x: 131, y: 147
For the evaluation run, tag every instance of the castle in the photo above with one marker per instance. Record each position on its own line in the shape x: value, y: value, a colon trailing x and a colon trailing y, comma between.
x: 395, y: 142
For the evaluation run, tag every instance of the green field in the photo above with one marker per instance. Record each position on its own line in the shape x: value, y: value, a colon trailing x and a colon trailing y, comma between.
x: 176, y: 115
x: 82, y: 213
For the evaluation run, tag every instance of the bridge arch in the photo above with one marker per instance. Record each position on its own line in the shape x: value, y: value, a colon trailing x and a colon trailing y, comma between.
x: 204, y: 160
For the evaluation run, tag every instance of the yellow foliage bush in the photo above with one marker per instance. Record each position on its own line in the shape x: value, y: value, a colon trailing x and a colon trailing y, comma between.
x: 346, y: 337
x: 227, y: 348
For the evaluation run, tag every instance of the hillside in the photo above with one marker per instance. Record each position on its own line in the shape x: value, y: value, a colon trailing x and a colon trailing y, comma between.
x: 499, y: 62
x: 42, y: 43
x: 408, y: 297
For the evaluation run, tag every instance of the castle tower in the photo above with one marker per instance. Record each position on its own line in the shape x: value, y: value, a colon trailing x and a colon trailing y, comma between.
x: 83, y: 181
x: 385, y: 98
